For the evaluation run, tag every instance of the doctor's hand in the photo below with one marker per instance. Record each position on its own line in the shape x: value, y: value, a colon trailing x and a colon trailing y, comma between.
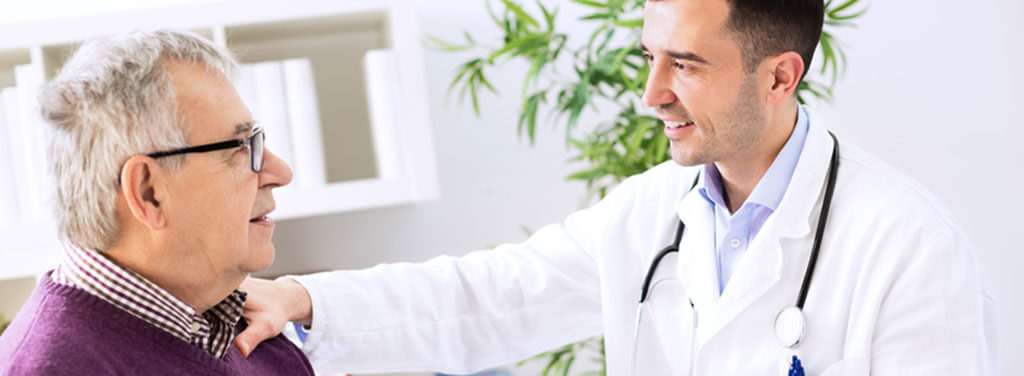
x: 270, y: 305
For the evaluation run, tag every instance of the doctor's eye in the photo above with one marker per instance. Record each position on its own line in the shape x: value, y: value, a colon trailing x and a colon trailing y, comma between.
x: 680, y: 66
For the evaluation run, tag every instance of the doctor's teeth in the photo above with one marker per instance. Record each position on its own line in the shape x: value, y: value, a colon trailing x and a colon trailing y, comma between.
x: 675, y: 124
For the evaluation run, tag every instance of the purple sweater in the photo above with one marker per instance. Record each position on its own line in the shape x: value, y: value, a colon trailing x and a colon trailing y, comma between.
x: 63, y: 330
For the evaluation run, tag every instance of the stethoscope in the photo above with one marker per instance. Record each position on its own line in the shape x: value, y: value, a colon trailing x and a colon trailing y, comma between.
x: 790, y: 324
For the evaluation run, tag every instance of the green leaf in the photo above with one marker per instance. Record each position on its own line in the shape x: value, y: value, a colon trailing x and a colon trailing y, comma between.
x: 632, y: 24
x: 531, y: 76
x: 448, y: 47
x: 483, y: 80
x: 522, y: 46
x: 590, y: 3
x: 528, y: 115
x: 834, y: 12
x: 588, y: 174
x: 549, y: 16
x: 599, y: 16
x: 520, y: 13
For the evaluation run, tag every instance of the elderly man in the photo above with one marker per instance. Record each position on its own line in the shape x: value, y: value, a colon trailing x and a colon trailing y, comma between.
x: 163, y: 187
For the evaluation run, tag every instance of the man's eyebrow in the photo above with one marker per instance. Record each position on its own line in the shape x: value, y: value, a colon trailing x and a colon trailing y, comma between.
x: 686, y: 55
x: 243, y: 129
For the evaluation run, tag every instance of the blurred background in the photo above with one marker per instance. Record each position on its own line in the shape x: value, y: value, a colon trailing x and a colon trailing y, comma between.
x: 934, y: 88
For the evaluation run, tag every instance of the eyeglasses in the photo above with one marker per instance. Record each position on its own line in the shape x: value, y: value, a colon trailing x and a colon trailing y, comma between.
x: 254, y: 142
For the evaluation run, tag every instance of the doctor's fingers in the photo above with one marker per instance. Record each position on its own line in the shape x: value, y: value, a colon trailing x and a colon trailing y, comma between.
x: 265, y: 318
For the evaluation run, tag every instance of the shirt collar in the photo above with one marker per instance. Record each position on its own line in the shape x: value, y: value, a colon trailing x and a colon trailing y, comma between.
x: 769, y: 190
x: 213, y: 330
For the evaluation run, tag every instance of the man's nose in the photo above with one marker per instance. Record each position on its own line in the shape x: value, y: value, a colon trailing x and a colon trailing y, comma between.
x: 658, y: 91
x: 275, y: 172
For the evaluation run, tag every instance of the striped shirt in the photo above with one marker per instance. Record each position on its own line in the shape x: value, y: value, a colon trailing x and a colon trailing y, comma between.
x: 212, y: 331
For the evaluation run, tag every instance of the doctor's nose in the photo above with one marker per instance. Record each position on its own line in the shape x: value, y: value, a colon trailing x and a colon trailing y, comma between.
x: 658, y: 91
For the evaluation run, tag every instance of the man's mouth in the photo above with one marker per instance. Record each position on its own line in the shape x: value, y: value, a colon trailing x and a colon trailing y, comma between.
x: 263, y: 218
x: 677, y: 124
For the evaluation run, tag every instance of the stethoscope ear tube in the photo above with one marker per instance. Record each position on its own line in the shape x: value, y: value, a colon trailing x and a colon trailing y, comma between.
x: 674, y: 247
x: 654, y: 267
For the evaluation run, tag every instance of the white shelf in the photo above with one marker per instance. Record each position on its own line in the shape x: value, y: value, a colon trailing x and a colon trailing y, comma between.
x: 333, y: 36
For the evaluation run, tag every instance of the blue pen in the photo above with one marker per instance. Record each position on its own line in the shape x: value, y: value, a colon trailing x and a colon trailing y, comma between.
x: 795, y: 368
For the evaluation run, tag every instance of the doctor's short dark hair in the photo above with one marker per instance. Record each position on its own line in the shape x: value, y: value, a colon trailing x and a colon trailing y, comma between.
x: 768, y: 27
x: 765, y: 28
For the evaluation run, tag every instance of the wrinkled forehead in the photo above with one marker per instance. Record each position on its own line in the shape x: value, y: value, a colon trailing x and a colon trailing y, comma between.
x: 693, y: 25
x: 206, y: 101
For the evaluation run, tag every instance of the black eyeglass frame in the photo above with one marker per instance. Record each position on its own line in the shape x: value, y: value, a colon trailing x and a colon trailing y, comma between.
x: 254, y: 142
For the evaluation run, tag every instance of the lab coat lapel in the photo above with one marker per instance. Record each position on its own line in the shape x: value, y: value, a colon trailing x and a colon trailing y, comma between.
x: 760, y: 268
x: 696, y: 266
x: 757, y: 272
x: 799, y: 207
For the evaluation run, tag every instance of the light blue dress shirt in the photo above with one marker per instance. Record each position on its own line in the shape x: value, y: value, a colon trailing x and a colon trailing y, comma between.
x: 734, y: 231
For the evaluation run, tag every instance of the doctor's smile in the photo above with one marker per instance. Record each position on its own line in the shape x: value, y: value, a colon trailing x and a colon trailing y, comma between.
x: 756, y: 238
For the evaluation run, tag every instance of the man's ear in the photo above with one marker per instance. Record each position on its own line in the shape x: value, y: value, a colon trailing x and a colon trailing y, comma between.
x: 785, y: 71
x: 142, y: 188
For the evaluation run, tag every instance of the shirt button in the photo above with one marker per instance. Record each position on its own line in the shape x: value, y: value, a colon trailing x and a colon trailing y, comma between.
x: 195, y: 327
x: 735, y: 243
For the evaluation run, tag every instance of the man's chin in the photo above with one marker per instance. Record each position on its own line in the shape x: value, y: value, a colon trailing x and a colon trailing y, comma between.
x: 686, y: 157
x: 260, y: 258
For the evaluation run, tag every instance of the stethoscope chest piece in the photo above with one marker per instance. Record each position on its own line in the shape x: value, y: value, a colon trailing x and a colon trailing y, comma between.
x: 789, y: 326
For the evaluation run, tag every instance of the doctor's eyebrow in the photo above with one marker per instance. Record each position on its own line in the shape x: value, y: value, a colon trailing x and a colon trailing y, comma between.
x: 680, y: 55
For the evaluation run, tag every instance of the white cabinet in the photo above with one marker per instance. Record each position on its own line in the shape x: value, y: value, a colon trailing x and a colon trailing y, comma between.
x: 375, y: 154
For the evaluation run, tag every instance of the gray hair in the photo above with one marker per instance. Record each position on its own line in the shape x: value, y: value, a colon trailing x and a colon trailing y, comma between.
x: 113, y: 100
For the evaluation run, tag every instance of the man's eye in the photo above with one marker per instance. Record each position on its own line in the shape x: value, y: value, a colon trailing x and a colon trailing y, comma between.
x: 648, y: 57
x: 681, y: 66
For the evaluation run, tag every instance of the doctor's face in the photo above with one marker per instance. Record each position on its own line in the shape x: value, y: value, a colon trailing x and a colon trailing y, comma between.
x: 698, y: 85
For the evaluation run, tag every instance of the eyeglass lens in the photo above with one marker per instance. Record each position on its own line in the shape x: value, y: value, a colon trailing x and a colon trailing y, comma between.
x: 256, y: 147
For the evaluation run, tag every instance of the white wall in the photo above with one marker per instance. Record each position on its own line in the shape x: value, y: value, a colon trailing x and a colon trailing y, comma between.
x: 934, y: 88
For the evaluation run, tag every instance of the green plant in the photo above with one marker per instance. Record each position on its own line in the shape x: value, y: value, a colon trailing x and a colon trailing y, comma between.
x: 608, y: 71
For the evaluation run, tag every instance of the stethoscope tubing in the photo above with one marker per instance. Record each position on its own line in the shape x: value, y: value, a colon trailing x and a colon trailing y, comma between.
x: 826, y: 205
x: 808, y: 273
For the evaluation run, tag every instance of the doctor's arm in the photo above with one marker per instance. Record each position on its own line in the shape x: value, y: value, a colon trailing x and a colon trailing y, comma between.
x: 937, y: 317
x: 450, y: 314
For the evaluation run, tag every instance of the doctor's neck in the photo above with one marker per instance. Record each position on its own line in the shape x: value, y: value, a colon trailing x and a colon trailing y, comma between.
x: 742, y: 172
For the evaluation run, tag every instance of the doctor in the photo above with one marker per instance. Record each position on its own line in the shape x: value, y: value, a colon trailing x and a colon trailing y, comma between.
x: 895, y: 286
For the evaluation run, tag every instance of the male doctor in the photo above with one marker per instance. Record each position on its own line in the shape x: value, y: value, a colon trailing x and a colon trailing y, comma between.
x: 895, y: 289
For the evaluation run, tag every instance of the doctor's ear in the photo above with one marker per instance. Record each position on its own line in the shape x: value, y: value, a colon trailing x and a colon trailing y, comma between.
x: 785, y: 71
x: 141, y: 185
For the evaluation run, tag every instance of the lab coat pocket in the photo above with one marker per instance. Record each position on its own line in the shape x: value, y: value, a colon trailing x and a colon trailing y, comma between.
x: 856, y: 366
x: 672, y: 323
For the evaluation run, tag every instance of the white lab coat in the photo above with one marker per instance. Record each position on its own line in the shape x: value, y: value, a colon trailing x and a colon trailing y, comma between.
x: 897, y: 289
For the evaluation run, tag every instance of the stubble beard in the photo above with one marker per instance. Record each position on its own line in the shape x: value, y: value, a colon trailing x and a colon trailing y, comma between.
x: 736, y: 133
